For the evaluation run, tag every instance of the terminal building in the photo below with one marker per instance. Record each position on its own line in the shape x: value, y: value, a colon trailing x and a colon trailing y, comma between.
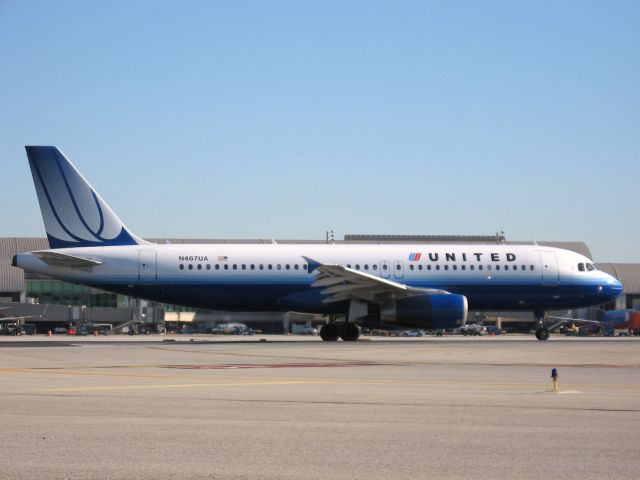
x: 49, y: 303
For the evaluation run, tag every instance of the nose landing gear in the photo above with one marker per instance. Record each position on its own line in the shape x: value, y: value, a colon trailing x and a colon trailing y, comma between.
x: 542, y: 333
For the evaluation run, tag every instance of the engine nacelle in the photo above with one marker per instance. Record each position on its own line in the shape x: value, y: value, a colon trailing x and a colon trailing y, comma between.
x: 430, y: 312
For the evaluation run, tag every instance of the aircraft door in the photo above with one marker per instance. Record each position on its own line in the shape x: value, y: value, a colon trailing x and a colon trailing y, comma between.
x: 398, y: 269
x: 384, y: 269
x: 549, y: 263
x: 147, y: 266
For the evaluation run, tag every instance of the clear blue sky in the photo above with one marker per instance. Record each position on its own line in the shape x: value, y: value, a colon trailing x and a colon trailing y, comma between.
x: 238, y: 119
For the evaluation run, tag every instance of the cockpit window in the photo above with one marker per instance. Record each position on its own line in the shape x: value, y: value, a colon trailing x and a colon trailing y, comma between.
x: 581, y: 267
x: 590, y: 267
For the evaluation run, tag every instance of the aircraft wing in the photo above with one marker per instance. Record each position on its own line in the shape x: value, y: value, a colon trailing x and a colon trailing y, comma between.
x: 64, y: 259
x: 341, y: 283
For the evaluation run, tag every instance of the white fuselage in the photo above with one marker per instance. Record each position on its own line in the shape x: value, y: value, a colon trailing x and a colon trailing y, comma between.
x: 269, y: 277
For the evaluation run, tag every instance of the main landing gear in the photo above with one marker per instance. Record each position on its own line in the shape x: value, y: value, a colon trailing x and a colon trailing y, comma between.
x: 329, y: 332
x: 347, y: 331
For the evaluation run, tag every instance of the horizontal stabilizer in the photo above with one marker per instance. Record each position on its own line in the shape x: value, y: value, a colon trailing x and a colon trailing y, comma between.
x: 65, y: 260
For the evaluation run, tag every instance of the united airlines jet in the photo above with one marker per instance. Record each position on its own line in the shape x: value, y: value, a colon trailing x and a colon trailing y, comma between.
x: 419, y: 286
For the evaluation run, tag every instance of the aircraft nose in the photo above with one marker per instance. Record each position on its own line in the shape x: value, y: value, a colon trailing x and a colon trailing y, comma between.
x: 613, y: 288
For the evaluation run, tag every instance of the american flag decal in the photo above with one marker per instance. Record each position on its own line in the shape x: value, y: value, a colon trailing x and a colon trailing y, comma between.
x: 414, y: 257
x: 223, y: 258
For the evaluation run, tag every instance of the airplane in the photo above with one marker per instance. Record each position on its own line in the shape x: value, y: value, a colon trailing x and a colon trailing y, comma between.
x: 416, y: 286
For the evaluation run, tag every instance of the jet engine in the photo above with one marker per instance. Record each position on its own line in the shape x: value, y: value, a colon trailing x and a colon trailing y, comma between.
x: 431, y: 312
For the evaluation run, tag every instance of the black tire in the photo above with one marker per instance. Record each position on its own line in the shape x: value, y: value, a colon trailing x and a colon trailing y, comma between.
x: 542, y: 334
x: 349, y: 332
x: 329, y: 332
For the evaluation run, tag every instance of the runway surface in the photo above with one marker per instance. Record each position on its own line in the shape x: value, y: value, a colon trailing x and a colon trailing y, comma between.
x: 303, y: 409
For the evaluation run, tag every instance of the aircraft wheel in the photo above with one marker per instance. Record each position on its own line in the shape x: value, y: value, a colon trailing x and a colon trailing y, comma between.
x: 542, y: 334
x: 329, y: 332
x: 350, y: 332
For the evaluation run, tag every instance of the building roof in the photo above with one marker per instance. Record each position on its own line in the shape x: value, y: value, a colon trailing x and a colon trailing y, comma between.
x: 627, y: 273
x: 578, y: 247
x: 9, y: 246
x: 12, y: 278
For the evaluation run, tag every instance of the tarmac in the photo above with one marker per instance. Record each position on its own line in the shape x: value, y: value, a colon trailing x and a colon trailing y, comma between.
x: 274, y: 407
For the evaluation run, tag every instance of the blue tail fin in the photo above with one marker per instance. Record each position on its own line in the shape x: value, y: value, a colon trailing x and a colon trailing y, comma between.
x: 74, y: 214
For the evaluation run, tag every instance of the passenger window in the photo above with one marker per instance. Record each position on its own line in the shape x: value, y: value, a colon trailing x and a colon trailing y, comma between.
x: 253, y: 266
x: 199, y: 267
x: 366, y: 266
x: 497, y: 267
x: 437, y: 267
x: 398, y: 267
x: 446, y: 267
x: 244, y: 266
x: 217, y: 266
x: 190, y: 267
x: 463, y: 267
x: 472, y: 267
x: 235, y: 267
x: 279, y: 267
x: 357, y: 266
x: 304, y: 266
x: 480, y: 267
x: 261, y: 266
x: 374, y: 266
x: 208, y: 266
x: 455, y: 267
x: 524, y: 267
x: 181, y: 266
x: 287, y: 266
x: 384, y: 267
x: 295, y: 266
x: 488, y: 267
x: 419, y: 267
x: 348, y: 265
x: 226, y: 266
x: 270, y: 267
x: 411, y: 267
x: 531, y: 267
